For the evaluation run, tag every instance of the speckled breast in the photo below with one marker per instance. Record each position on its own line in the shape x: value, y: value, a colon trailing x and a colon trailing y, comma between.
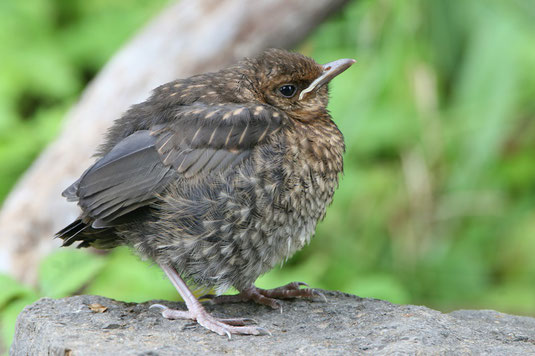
x: 295, y: 182
x: 230, y: 230
x: 311, y: 165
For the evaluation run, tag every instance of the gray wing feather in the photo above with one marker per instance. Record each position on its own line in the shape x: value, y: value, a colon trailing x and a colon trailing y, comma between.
x: 126, y: 178
x: 200, y: 140
x: 204, y: 139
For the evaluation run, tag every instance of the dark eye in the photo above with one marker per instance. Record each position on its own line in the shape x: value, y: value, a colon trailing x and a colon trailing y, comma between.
x: 288, y: 90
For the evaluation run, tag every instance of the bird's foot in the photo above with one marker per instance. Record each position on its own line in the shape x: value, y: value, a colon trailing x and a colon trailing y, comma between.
x: 219, y: 326
x: 268, y: 296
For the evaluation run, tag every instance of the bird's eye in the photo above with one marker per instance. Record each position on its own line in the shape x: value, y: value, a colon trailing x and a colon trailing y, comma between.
x: 288, y: 90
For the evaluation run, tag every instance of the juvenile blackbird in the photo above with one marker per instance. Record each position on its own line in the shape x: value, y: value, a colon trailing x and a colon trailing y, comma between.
x: 218, y: 178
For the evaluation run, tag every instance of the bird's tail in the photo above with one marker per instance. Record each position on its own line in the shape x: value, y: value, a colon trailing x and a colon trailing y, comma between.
x: 87, y: 235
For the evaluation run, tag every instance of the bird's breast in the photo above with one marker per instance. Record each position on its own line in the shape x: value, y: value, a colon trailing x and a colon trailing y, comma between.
x: 305, y: 171
x: 237, y: 225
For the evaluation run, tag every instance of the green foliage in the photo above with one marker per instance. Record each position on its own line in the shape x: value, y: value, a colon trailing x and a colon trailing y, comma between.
x: 67, y: 271
x: 61, y: 274
x: 49, y: 50
x: 8, y: 317
x: 13, y: 298
x: 125, y: 277
x: 437, y: 203
x: 11, y: 290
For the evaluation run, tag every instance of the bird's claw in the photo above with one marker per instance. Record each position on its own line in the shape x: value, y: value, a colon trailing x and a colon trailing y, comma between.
x: 220, y: 326
x: 268, y: 297
x: 158, y: 306
x: 207, y: 296
x: 238, y: 321
x: 320, y: 295
x: 300, y: 284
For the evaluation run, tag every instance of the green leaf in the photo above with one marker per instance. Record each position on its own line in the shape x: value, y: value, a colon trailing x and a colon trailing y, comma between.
x: 67, y: 271
x: 11, y: 289
x: 510, y: 298
x: 380, y: 286
x: 8, y: 317
x: 125, y: 277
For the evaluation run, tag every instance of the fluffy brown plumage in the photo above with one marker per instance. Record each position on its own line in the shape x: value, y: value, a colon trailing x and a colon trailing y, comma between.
x: 218, y: 177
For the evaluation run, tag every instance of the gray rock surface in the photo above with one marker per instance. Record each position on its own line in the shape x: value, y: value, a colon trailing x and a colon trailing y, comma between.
x: 345, y: 324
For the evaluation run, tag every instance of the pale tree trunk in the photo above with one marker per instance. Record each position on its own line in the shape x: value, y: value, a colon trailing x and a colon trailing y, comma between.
x: 189, y: 37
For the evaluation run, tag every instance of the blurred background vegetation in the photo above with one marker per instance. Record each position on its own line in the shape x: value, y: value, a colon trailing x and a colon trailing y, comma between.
x: 437, y: 203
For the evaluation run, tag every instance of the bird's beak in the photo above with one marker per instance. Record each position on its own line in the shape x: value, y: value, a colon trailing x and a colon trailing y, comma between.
x: 330, y: 70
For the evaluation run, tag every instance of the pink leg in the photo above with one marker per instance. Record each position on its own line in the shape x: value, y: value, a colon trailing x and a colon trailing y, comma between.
x: 197, y: 312
x: 268, y: 296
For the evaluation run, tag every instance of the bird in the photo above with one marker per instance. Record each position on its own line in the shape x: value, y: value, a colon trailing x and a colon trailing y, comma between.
x: 217, y: 178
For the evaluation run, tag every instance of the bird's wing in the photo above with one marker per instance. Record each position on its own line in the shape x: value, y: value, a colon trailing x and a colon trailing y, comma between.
x: 200, y: 140
x: 123, y: 180
x: 204, y: 139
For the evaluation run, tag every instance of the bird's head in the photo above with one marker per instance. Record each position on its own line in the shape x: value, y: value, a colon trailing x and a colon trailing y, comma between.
x: 294, y: 83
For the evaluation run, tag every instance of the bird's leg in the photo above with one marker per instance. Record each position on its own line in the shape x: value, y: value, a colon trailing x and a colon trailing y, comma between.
x: 268, y: 296
x: 197, y: 312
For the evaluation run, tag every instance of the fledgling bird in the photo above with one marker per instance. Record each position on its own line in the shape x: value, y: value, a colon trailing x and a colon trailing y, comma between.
x: 218, y: 178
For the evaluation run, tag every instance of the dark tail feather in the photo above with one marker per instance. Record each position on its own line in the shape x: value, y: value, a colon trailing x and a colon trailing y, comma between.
x: 69, y: 233
x: 79, y: 231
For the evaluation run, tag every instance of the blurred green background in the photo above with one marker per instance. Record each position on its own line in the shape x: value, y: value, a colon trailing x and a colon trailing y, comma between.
x: 437, y: 203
